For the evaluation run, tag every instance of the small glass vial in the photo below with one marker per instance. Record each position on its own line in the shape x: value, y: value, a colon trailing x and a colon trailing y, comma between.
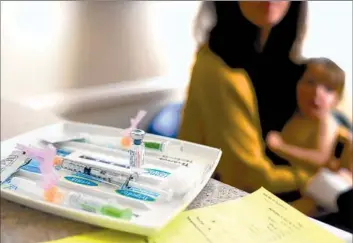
x: 137, y: 150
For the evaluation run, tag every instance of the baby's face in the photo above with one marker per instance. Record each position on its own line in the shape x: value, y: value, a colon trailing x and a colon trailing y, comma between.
x: 314, y: 95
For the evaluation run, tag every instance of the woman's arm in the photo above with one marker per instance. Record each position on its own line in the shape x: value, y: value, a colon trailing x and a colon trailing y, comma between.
x: 240, y: 139
x: 191, y: 126
x: 229, y: 118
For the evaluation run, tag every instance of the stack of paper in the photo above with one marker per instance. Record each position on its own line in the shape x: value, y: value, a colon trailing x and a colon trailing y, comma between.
x: 257, y: 218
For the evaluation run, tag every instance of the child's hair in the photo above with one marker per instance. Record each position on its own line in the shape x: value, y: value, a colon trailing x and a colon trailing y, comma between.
x: 335, y: 73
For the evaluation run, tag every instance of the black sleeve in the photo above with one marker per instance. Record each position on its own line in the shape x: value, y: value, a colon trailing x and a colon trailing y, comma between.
x: 345, y: 204
x: 343, y: 218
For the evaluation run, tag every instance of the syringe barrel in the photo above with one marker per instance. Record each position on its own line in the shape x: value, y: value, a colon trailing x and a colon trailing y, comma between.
x: 84, y: 202
x: 27, y: 186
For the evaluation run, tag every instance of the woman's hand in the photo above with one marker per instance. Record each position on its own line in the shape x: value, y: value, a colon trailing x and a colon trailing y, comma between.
x: 274, y: 140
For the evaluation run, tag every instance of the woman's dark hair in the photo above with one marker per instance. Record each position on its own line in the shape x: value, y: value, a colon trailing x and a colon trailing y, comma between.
x: 235, y: 39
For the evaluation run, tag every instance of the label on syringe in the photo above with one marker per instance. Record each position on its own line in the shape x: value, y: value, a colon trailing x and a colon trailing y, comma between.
x: 136, y: 195
x: 81, y: 181
x: 175, y: 160
x: 32, y: 166
x: 7, y: 185
x: 157, y: 172
x: 12, y: 163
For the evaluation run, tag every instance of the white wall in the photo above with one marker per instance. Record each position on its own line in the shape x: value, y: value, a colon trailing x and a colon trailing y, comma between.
x: 49, y: 46
x: 37, y: 47
x: 58, y: 46
x: 171, y: 24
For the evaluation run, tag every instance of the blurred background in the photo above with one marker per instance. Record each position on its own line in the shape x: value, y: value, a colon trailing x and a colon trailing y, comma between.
x: 102, y: 61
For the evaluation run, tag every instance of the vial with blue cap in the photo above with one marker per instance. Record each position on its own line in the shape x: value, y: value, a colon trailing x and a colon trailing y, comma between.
x: 137, y: 150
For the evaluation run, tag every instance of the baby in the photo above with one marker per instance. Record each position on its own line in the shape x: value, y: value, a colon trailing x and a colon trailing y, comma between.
x: 312, y: 137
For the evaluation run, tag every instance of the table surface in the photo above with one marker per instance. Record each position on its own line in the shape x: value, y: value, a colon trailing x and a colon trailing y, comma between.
x: 21, y: 224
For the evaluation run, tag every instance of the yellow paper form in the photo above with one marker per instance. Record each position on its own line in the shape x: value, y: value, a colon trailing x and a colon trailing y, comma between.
x: 103, y: 236
x: 259, y: 217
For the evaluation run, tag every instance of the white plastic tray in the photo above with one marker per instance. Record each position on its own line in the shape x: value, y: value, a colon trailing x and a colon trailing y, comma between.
x: 146, y: 221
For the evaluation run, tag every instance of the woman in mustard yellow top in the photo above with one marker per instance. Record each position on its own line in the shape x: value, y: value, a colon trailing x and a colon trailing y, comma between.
x: 243, y: 85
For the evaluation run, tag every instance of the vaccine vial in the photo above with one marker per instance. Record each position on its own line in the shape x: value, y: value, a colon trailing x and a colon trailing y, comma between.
x: 137, y: 150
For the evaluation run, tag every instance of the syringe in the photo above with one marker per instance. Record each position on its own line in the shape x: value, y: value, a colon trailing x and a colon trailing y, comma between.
x: 114, y: 177
x: 115, y: 143
x: 75, y: 200
x: 107, y: 172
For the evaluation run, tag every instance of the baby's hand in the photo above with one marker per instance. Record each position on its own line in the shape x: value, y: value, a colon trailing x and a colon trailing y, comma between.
x: 333, y: 164
x: 347, y: 175
x: 274, y: 140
